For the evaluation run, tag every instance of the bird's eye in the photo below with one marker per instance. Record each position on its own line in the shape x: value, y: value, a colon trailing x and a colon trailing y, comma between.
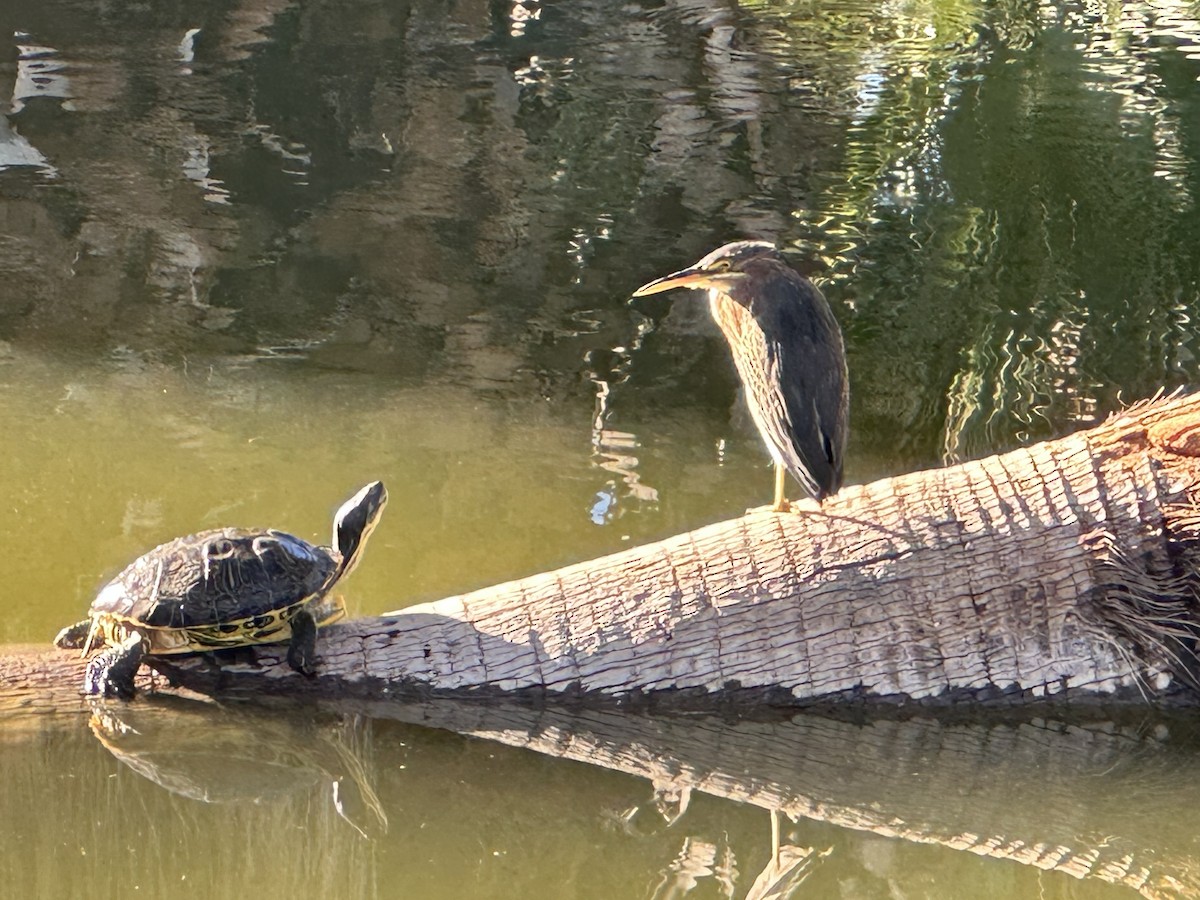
x: 720, y: 265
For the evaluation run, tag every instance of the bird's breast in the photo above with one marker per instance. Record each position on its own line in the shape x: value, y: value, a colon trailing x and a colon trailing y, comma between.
x: 735, y: 321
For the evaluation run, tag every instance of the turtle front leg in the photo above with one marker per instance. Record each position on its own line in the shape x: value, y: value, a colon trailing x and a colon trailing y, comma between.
x: 73, y: 636
x: 302, y: 652
x: 111, y: 672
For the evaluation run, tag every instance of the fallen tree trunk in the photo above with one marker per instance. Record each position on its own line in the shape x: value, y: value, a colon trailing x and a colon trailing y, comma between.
x: 1065, y: 571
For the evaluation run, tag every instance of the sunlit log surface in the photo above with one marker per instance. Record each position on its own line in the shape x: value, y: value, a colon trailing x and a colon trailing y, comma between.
x: 1061, y: 572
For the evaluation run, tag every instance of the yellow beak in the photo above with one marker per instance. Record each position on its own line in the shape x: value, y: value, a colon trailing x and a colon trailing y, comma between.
x: 697, y: 279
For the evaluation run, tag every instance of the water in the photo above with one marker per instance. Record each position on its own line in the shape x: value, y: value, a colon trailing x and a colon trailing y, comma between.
x: 521, y: 804
x: 256, y: 255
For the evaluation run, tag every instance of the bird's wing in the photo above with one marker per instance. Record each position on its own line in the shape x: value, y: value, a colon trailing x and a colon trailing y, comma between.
x: 809, y: 389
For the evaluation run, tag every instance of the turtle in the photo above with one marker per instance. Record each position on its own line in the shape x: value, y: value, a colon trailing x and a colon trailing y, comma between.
x: 225, y: 587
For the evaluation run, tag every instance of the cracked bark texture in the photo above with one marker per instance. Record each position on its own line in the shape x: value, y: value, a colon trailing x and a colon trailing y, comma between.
x: 1061, y: 572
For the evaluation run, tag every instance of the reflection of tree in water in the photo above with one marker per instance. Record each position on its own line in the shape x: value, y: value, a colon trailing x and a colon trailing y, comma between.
x: 1101, y: 801
x: 997, y: 196
x: 1038, y: 298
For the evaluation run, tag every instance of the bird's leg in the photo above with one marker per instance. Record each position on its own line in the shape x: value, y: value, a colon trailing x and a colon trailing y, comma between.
x: 775, y: 841
x: 780, y: 504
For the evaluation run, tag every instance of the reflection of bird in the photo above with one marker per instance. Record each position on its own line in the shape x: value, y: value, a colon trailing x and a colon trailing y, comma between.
x: 788, y: 351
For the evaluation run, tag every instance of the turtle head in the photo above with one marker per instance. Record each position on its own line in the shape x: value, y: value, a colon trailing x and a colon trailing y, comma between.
x: 355, y: 521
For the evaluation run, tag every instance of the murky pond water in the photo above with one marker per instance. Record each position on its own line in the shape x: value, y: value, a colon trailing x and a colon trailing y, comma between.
x: 235, y: 803
x: 255, y: 254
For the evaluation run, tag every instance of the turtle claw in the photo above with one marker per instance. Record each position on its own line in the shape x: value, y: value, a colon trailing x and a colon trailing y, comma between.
x: 111, y: 672
x: 97, y: 681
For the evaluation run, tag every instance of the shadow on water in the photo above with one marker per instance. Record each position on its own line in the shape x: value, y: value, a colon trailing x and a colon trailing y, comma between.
x: 996, y: 198
x: 473, y: 800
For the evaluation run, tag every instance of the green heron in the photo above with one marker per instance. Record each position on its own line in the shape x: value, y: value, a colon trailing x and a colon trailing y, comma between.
x: 788, y: 351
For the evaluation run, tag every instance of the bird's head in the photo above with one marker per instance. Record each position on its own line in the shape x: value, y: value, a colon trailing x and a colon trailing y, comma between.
x: 726, y: 269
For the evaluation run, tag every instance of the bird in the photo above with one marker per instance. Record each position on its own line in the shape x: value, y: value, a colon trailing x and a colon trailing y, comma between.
x: 789, y: 353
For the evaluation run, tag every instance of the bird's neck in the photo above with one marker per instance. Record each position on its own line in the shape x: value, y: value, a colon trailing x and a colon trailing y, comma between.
x: 731, y: 317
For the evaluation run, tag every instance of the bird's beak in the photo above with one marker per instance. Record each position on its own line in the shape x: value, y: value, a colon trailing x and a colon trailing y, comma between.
x: 697, y: 279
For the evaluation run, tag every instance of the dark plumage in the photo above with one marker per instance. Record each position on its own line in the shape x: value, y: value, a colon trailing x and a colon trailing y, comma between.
x: 788, y: 350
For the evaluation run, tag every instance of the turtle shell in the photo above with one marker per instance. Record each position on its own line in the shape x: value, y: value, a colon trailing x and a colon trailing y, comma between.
x: 218, y: 588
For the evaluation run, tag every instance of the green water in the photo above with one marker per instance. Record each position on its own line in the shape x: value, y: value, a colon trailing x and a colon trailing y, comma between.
x: 252, y: 256
x: 314, y: 805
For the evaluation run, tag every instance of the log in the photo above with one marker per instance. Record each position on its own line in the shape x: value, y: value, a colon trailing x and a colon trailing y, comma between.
x: 1062, y: 573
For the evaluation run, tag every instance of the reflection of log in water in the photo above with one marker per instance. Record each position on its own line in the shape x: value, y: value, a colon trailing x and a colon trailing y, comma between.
x: 1115, y: 803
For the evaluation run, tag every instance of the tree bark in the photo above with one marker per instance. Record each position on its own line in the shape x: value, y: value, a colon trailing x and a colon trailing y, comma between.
x: 1061, y: 572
